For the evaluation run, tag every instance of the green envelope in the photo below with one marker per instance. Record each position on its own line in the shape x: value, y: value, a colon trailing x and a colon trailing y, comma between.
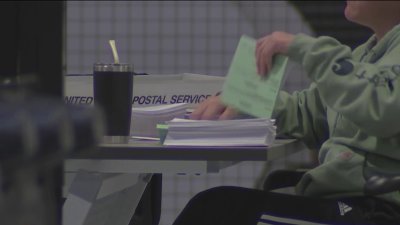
x: 244, y: 89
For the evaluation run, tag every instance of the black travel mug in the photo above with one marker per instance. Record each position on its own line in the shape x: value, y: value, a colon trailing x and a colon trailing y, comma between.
x: 112, y: 91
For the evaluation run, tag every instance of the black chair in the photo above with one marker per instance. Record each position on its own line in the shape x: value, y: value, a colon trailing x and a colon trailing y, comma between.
x: 377, y: 183
x: 381, y: 183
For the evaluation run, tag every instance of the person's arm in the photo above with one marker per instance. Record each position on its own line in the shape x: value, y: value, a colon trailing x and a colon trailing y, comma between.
x: 302, y: 115
x: 364, y: 93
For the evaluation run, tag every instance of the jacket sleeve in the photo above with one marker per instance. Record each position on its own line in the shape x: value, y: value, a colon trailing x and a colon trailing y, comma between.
x: 302, y: 115
x: 368, y: 94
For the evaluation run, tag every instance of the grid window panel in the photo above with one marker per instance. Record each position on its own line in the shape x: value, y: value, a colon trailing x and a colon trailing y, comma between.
x: 230, y: 45
x: 105, y: 29
x: 137, y: 28
x: 89, y: 11
x: 230, y: 10
x: 216, y: 45
x: 214, y: 60
x: 280, y: 13
x: 169, y: 11
x: 198, y: 182
x: 88, y: 62
x: 74, y: 45
x: 90, y: 27
x: 280, y: 25
x: 90, y: 44
x: 182, y: 60
x: 137, y: 11
x: 214, y: 13
x: 73, y: 62
x: 184, y: 45
x: 151, y: 59
x: 168, y: 45
x: 246, y: 28
x: 201, y: 44
x: 73, y: 30
x: 74, y: 10
x: 152, y: 45
x: 121, y: 8
x: 216, y: 29
x: 168, y: 29
x: 200, y: 12
x: 199, y: 62
x: 153, y: 28
x: 200, y: 28
x: 105, y: 11
x: 152, y: 12
x: 183, y: 28
x: 120, y: 29
x: 230, y: 30
x: 183, y: 11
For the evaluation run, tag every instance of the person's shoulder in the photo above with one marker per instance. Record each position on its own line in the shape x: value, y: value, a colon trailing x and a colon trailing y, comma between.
x: 394, y: 36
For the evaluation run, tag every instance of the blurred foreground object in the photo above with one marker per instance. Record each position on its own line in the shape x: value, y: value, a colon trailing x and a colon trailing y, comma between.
x: 36, y: 135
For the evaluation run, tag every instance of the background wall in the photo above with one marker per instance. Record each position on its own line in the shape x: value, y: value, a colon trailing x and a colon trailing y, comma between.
x: 167, y: 37
x: 164, y: 37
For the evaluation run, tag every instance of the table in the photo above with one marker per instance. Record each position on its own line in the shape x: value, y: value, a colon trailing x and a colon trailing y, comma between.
x: 106, y: 183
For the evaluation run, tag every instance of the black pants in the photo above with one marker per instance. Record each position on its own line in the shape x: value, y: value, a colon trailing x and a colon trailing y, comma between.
x: 243, y: 206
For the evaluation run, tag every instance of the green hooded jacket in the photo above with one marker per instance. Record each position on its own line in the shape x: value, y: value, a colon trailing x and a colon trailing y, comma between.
x: 350, y: 113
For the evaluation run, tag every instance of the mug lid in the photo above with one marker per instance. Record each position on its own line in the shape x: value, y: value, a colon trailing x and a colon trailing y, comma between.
x: 112, y: 67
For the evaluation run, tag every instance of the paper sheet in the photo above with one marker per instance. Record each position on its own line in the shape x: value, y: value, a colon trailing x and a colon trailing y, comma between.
x: 244, y: 89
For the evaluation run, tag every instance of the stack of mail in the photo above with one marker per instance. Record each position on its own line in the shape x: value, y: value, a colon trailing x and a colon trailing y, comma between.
x: 237, y: 132
x: 145, y: 119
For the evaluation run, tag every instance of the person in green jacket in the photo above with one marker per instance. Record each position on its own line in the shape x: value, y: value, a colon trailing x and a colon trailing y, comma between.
x: 350, y: 114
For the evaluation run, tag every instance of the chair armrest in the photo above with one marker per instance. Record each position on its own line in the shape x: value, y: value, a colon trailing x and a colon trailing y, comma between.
x: 379, y: 184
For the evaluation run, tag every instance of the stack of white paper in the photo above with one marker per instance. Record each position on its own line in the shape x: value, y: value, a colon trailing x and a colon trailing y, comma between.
x: 160, y: 109
x: 145, y: 119
x: 238, y: 132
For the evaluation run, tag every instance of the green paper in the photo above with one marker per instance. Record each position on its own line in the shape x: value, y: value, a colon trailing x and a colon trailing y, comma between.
x: 244, y: 89
x: 162, y: 131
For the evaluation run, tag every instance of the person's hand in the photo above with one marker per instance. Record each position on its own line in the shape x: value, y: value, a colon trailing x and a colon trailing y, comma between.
x: 213, y: 109
x: 268, y: 46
